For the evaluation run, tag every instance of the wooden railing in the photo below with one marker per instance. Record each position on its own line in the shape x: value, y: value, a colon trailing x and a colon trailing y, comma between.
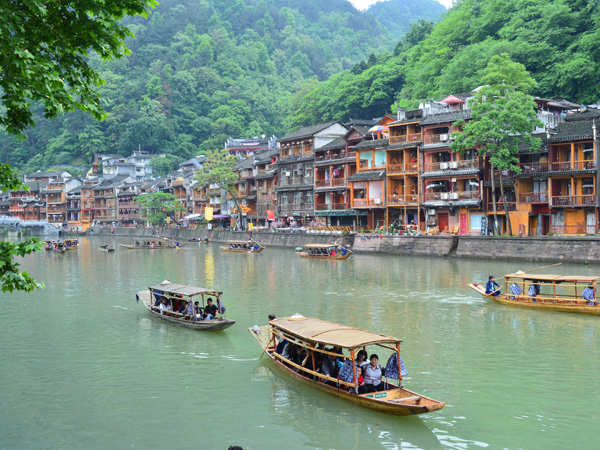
x: 411, y: 137
x: 451, y: 196
x: 512, y: 206
x: 533, y: 167
x: 533, y: 197
x: 573, y: 229
x: 437, y: 138
x: 335, y: 156
x: 573, y: 200
x: 334, y: 182
x: 572, y: 165
x: 402, y: 199
x: 296, y: 181
x: 452, y: 165
x: 367, y: 202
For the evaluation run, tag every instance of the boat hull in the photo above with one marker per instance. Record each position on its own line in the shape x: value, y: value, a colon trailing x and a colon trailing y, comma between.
x: 240, y: 250
x: 147, y: 247
x: 366, y: 400
x: 204, y: 325
x: 307, y: 255
x: 543, y: 305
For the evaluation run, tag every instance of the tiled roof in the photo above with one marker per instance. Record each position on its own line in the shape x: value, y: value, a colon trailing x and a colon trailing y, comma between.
x: 368, y: 123
x: 245, y: 163
x: 371, y: 175
x: 265, y: 156
x: 447, y: 117
x: 377, y: 143
x: 588, y: 114
x: 409, y: 120
x: 336, y: 143
x: 306, y: 131
x: 579, y: 129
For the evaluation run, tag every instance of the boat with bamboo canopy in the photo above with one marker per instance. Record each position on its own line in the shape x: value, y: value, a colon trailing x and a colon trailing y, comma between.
x: 315, y: 334
x: 249, y: 246
x: 153, y: 244
x: 565, y: 293
x: 324, y: 251
x: 164, y: 299
x: 71, y: 244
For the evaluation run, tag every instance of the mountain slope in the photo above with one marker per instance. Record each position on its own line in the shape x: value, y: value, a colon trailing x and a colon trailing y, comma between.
x: 397, y: 15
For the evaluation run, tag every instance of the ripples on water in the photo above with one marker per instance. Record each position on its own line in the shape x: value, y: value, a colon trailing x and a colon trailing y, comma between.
x: 85, y: 367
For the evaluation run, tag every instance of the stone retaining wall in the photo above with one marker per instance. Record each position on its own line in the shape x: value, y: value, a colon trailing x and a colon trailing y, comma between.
x: 575, y: 249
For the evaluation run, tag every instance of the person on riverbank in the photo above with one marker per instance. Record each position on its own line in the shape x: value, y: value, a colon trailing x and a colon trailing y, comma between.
x: 492, y: 286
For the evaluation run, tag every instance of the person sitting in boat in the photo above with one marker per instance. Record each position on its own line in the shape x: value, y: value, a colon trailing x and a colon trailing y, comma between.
x: 332, y: 252
x: 330, y: 368
x: 182, y: 307
x: 588, y: 294
x: 230, y: 245
x: 372, y: 374
x: 210, y: 311
x: 344, y: 251
x: 165, y: 307
x: 189, y: 311
x: 158, y: 297
x: 255, y: 248
x: 197, y: 308
x: 534, y: 290
x: 492, y: 286
x: 137, y: 243
x: 515, y: 289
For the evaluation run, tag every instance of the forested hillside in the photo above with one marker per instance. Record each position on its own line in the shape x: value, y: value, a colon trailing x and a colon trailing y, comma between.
x: 200, y: 71
x: 557, y: 40
x: 397, y: 15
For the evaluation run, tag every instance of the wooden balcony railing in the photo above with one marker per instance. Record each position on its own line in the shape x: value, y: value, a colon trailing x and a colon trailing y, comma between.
x: 512, y: 206
x: 334, y: 182
x: 296, y: 154
x: 331, y: 207
x: 296, y: 181
x: 451, y: 196
x: 443, y: 138
x: 466, y: 164
x: 406, y: 138
x: 533, y: 167
x: 402, y: 199
x: 367, y: 203
x: 335, y: 156
x: 533, y: 197
x: 572, y: 165
x: 573, y: 200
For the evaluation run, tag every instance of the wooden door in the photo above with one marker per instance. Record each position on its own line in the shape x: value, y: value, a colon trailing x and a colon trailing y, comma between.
x: 443, y: 221
x: 574, y: 221
x: 463, y: 223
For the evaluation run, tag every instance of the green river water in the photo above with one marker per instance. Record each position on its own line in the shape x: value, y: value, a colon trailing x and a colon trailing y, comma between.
x: 84, y: 366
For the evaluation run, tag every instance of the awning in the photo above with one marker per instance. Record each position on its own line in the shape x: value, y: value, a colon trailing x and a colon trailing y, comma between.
x: 452, y: 100
x: 191, y: 216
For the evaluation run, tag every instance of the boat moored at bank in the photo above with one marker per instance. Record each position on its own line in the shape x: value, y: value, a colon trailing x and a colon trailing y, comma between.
x: 319, y: 340
x: 324, y: 251
x: 171, y: 302
x: 249, y: 246
x: 153, y: 244
x: 565, y: 293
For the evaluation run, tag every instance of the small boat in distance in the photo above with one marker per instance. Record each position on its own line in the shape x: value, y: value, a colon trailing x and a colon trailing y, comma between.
x: 163, y: 301
x: 56, y: 246
x: 324, y: 251
x: 71, y: 244
x: 49, y: 245
x: 153, y: 244
x: 106, y: 248
x: 565, y: 293
x: 314, y: 335
x: 249, y: 246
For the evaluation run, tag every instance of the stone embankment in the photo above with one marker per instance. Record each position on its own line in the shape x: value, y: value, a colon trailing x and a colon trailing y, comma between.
x: 543, y: 248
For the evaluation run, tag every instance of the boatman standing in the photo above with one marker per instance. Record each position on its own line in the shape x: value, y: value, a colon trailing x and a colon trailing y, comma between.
x: 492, y: 286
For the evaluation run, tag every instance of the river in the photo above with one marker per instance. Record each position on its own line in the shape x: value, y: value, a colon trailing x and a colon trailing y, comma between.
x: 84, y: 366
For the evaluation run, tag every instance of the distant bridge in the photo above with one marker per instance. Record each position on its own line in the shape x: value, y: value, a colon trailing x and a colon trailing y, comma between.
x: 35, y: 227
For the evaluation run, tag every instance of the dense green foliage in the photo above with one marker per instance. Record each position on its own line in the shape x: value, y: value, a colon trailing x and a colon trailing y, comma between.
x: 200, y: 71
x: 397, y: 15
x: 556, y: 40
x: 157, y: 206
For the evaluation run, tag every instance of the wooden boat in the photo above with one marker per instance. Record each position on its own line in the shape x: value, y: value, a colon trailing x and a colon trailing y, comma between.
x: 48, y: 245
x: 106, y: 248
x: 308, y: 333
x: 58, y: 247
x: 249, y: 246
x: 175, y: 293
x: 71, y: 244
x: 325, y: 251
x: 153, y: 244
x: 566, y: 293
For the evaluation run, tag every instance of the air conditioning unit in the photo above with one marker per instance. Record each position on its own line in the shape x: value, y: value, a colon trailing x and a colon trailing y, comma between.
x: 444, y: 166
x: 443, y: 137
x: 453, y: 165
x: 377, y: 201
x: 444, y: 195
x: 454, y: 196
x: 431, y: 212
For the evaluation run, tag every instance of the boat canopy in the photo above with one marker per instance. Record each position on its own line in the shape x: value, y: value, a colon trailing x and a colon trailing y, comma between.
x: 320, y: 245
x: 240, y: 242
x: 184, y: 289
x: 330, y: 333
x: 553, y: 278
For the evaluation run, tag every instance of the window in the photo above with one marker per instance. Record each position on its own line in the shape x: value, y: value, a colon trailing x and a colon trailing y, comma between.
x: 476, y: 222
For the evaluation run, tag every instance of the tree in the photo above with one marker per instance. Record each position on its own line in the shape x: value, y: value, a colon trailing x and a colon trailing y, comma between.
x: 503, y: 117
x: 157, y: 206
x: 218, y: 169
x: 164, y: 166
x: 10, y: 277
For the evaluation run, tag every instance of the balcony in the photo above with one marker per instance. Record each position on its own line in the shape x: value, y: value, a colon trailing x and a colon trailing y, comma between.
x: 402, y: 199
x: 572, y: 165
x: 335, y: 157
x: 405, y: 139
x: 512, y: 206
x: 296, y: 208
x: 451, y: 196
x: 296, y: 155
x: 431, y: 139
x: 295, y: 181
x: 334, y: 182
x: 467, y: 164
x: 533, y: 197
x: 573, y: 200
x: 367, y: 203
x: 533, y: 168
x: 332, y: 207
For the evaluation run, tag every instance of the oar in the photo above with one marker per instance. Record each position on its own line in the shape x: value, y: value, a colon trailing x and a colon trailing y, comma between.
x: 261, y: 355
x: 493, y: 292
